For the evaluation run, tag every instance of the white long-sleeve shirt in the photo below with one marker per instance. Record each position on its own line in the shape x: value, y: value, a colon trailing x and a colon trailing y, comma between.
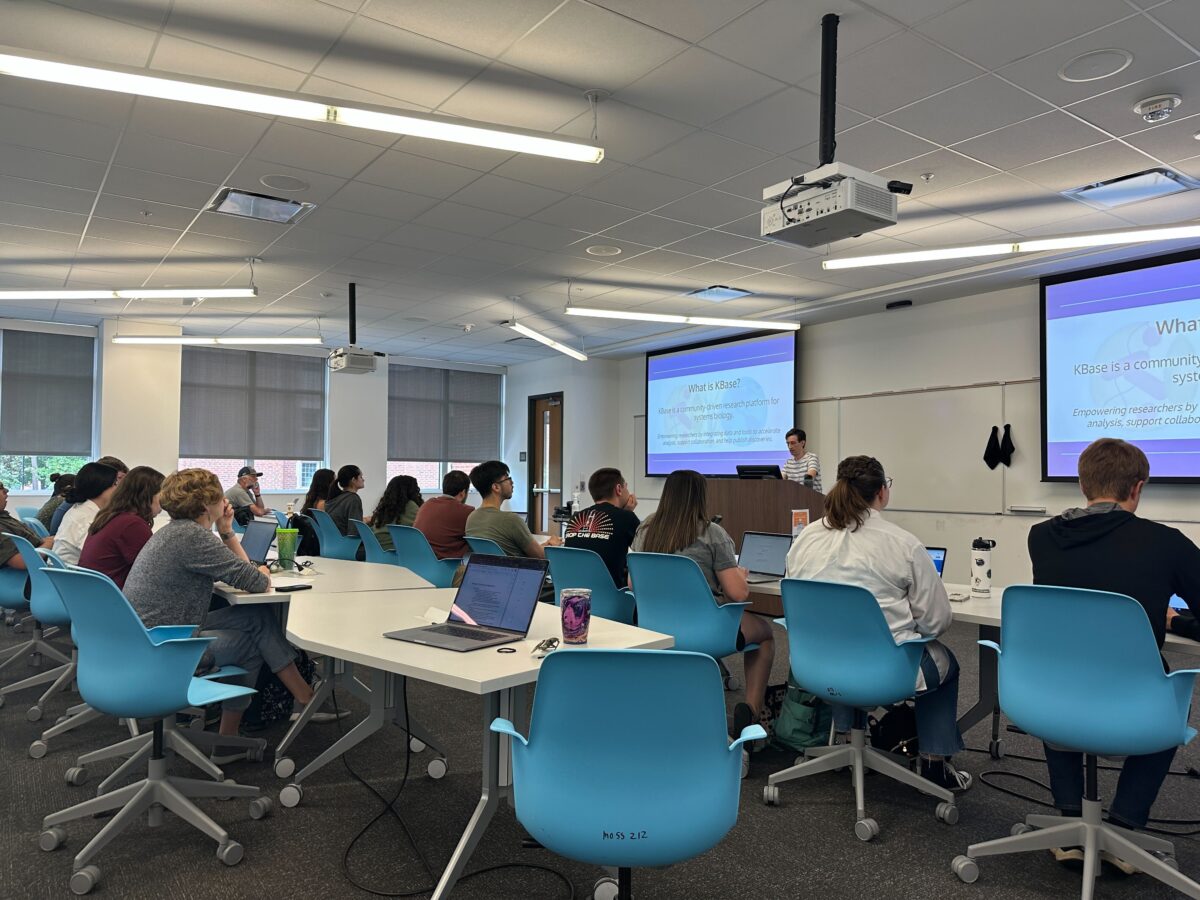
x: 73, y: 531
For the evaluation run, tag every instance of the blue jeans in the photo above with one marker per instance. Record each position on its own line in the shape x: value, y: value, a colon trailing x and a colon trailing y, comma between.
x: 936, y: 709
x: 246, y: 636
x: 1137, y: 787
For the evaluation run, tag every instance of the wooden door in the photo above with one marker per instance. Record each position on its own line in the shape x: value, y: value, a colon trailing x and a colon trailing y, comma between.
x: 545, y: 460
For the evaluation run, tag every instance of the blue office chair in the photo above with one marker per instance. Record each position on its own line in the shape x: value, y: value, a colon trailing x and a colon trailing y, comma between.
x: 13, y: 584
x: 237, y: 527
x: 26, y: 512
x: 334, y: 544
x: 841, y: 649
x: 1101, y: 693
x: 659, y: 789
x: 574, y: 567
x: 280, y: 517
x: 35, y: 525
x: 127, y: 671
x: 375, y: 552
x: 414, y: 553
x: 484, y: 545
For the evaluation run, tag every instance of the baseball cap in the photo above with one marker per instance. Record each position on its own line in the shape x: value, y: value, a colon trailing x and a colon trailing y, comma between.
x: 248, y: 470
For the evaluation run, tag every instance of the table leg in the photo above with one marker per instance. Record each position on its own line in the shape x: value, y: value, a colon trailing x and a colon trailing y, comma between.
x: 342, y: 677
x: 489, y: 799
x: 988, y: 703
x: 382, y: 701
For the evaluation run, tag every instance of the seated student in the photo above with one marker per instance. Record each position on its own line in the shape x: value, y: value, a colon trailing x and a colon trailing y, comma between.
x: 10, y: 524
x: 120, y: 531
x: 93, y: 488
x: 1104, y: 546
x: 681, y: 525
x: 443, y: 519
x: 399, y: 505
x: 245, y: 497
x: 113, y: 463
x: 609, y: 525
x: 854, y: 544
x: 62, y: 484
x: 318, y: 490
x: 506, y: 528
x: 343, y: 502
x: 172, y: 579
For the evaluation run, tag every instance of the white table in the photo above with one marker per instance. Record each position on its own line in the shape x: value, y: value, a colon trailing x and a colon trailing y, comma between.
x: 350, y: 627
x: 330, y: 576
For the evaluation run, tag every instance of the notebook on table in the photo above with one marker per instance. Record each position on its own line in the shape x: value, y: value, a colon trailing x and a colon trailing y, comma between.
x: 764, y: 554
x: 494, y: 605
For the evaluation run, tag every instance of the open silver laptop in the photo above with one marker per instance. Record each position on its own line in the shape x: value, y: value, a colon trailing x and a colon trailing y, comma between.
x: 765, y: 555
x: 494, y: 605
x: 257, y: 540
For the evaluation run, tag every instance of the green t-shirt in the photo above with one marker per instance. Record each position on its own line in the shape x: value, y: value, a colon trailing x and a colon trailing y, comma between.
x: 505, y: 528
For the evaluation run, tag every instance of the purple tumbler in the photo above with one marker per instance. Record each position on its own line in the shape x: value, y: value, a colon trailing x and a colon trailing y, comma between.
x: 576, y: 615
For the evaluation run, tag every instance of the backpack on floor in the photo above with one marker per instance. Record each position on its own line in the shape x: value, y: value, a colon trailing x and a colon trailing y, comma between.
x: 273, y: 702
x: 896, y: 730
x: 801, y: 719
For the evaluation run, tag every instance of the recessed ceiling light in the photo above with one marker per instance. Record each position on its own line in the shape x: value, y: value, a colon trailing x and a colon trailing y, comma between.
x: 1096, y: 64
x: 263, y: 207
x: 285, y: 183
x: 603, y: 250
x: 718, y: 293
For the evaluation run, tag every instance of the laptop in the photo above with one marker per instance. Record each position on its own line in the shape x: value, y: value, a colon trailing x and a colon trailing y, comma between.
x: 494, y: 605
x: 938, y: 555
x: 765, y: 555
x: 257, y: 540
x: 1178, y: 603
x: 759, y: 472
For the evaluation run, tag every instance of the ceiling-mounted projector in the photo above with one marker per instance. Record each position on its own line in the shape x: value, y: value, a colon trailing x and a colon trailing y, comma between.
x: 828, y: 204
x: 353, y: 360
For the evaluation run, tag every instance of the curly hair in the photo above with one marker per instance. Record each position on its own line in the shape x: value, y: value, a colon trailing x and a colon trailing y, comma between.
x: 188, y: 493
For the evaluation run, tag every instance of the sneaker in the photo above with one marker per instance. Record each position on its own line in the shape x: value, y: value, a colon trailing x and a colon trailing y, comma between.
x: 944, y: 775
x: 1071, y: 857
x: 743, y: 718
x: 1117, y: 864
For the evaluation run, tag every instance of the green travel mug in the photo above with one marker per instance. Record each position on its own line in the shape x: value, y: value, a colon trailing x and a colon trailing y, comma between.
x: 285, y: 547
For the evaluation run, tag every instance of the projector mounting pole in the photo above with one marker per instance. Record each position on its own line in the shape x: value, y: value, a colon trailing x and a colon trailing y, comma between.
x: 829, y: 29
x: 353, y: 315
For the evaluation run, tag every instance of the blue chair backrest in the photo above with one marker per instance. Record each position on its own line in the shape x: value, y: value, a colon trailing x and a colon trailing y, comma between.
x: 651, y: 765
x: 12, y: 588
x: 578, y: 568
x: 484, y: 545
x: 35, y: 525
x: 27, y: 512
x: 121, y: 671
x: 414, y: 553
x: 374, y: 552
x: 281, y: 517
x: 334, y: 544
x: 237, y: 527
x: 840, y: 646
x: 673, y: 597
x: 1081, y: 669
x: 44, y: 602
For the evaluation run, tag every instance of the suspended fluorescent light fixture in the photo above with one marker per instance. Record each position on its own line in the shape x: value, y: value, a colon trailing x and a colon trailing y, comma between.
x: 133, y: 294
x: 230, y: 96
x: 190, y: 339
x: 632, y: 316
x: 1066, y: 242
x: 542, y: 339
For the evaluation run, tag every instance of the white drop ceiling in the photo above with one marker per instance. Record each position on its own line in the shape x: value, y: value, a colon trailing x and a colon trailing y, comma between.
x: 711, y: 100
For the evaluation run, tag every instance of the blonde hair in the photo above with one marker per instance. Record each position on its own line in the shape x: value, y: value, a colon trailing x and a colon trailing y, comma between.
x: 188, y: 493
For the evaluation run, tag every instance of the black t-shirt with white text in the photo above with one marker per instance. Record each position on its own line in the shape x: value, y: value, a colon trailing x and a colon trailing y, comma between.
x: 608, y: 531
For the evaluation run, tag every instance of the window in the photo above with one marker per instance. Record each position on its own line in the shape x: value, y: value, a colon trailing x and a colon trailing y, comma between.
x: 244, y: 408
x: 47, y: 394
x: 436, y: 416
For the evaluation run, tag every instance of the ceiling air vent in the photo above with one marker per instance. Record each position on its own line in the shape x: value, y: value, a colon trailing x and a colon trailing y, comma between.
x: 263, y: 207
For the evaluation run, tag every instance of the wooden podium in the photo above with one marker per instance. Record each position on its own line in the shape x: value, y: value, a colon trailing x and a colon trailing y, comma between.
x: 761, y: 505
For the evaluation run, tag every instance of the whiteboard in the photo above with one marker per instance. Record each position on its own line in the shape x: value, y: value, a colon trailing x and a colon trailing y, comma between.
x: 931, y: 443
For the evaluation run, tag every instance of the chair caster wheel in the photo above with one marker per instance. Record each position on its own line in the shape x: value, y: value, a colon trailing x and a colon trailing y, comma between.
x: 437, y: 768
x: 605, y: 889
x: 996, y: 749
x: 285, y: 767
x: 771, y: 795
x: 35, y: 659
x: 52, y: 838
x: 966, y: 869
x: 61, y: 719
x: 230, y: 853
x: 34, y: 714
x: 947, y: 812
x: 260, y: 807
x: 416, y: 745
x: 232, y: 783
x: 1020, y: 828
x: 291, y: 795
x: 76, y: 775
x: 84, y: 880
x: 38, y: 749
x: 866, y: 830
x: 1167, y: 859
x: 196, y: 723
x: 733, y: 683
x: 257, y: 752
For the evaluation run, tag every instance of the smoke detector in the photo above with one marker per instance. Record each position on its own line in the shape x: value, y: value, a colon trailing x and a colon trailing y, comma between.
x: 1157, y: 109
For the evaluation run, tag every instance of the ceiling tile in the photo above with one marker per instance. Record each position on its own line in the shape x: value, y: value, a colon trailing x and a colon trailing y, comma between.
x: 51, y: 168
x: 1030, y: 141
x: 316, y: 151
x: 961, y: 231
x: 962, y: 112
x: 466, y: 219
x: 910, y: 12
x: 782, y: 122
x: 487, y: 27
x: 81, y: 103
x: 507, y: 196
x: 584, y: 214
x: 510, y: 97
x: 1169, y: 141
x: 993, y: 34
x: 497, y: 251
x: 1081, y: 167
x: 556, y: 174
x: 395, y: 255
x: 717, y: 244
x: 771, y: 256
x: 149, y: 235
x: 639, y: 189
x: 48, y: 219
x: 1180, y: 17
x: 699, y: 87
x: 661, y: 262
x: 191, y: 123
x: 873, y: 145
x: 320, y: 188
x: 628, y: 248
x: 705, y: 158
x: 1162, y: 211
x: 42, y: 131
x: 352, y: 224
x: 176, y: 56
x: 688, y: 19
x: 750, y: 184
x: 153, y: 154
x: 948, y: 169
x: 627, y: 134
x: 653, y: 231
x: 1114, y: 111
x: 51, y: 28
x: 426, y: 238
x: 407, y: 172
x: 380, y: 201
x: 590, y: 47
x: 710, y: 208
x: 11, y: 235
x: 1032, y: 211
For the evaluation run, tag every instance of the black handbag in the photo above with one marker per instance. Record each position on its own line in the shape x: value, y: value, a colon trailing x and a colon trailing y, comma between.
x: 896, y: 730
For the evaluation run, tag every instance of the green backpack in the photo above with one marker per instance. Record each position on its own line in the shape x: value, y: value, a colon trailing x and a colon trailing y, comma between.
x: 803, y: 719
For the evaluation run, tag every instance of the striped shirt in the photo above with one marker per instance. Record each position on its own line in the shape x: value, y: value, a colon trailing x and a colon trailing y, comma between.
x: 795, y: 469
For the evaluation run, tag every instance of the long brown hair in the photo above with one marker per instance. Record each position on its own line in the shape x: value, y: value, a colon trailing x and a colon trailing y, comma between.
x: 318, y: 489
x: 859, y: 481
x: 682, y: 513
x: 134, y: 494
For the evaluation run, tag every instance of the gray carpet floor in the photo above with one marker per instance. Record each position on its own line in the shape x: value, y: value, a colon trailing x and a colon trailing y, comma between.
x: 803, y: 848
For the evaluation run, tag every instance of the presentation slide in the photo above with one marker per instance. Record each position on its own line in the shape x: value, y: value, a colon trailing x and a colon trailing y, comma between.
x: 715, y: 407
x: 1122, y: 359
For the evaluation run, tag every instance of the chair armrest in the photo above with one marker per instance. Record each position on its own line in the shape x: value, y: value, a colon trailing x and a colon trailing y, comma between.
x: 450, y: 563
x: 781, y: 622
x: 924, y: 639
x: 53, y: 561
x: 1183, y: 685
x: 503, y: 726
x: 749, y: 733
x: 161, y: 633
x: 184, y: 653
x: 223, y: 672
x: 991, y: 645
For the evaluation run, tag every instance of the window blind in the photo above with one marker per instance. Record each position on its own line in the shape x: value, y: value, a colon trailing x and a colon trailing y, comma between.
x: 47, y: 393
x: 443, y: 414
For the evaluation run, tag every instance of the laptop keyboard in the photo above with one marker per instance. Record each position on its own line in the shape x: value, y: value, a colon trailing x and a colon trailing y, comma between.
x: 471, y: 634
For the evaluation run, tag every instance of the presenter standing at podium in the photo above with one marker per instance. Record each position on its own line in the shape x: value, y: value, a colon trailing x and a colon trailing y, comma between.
x: 802, y: 463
